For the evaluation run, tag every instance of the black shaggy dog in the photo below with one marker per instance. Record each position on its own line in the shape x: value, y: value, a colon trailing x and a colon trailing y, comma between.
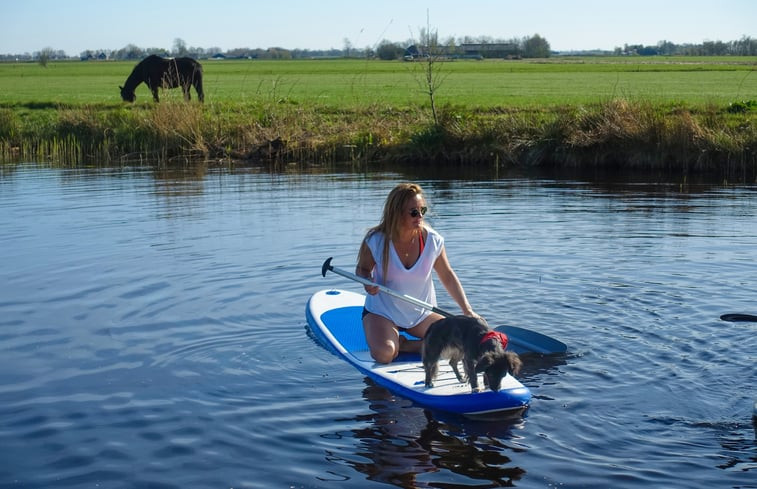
x: 468, y: 339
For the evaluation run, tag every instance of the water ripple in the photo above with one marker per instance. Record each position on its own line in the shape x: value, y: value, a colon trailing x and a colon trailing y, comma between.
x: 164, y: 345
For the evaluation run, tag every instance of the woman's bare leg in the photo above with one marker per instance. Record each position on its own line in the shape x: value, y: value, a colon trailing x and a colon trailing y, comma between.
x: 384, y: 339
x: 382, y: 336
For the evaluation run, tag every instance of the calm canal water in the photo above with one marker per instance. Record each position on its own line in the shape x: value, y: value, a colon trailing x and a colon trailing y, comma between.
x: 152, y: 332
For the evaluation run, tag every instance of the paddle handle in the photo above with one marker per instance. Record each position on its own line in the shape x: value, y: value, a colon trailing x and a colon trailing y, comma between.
x: 327, y: 266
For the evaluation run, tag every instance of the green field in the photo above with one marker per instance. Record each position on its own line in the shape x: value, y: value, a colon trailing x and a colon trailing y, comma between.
x: 353, y: 83
x: 677, y: 114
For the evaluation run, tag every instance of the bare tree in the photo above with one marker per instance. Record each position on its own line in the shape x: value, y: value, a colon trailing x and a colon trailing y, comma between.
x: 431, y: 52
x: 179, y: 47
x: 347, y: 47
x: 44, y: 56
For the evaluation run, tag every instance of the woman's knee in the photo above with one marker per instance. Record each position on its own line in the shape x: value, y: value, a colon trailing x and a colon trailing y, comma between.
x: 384, y: 352
x: 382, y: 338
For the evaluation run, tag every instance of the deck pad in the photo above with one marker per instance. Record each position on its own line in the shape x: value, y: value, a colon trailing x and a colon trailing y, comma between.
x: 334, y: 317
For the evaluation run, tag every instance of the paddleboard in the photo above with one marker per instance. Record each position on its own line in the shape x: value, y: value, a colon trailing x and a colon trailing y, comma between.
x: 334, y: 317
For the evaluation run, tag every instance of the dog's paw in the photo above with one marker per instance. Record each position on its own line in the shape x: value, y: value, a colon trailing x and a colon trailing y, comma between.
x: 477, y: 389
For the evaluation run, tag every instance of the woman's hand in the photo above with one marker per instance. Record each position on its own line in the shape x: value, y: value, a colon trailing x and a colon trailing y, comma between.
x: 471, y: 313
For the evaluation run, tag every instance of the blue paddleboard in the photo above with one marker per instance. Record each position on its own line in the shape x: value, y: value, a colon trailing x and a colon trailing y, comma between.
x: 334, y: 317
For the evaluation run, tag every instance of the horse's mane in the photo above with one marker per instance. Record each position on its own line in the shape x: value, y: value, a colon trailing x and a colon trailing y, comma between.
x: 136, y: 76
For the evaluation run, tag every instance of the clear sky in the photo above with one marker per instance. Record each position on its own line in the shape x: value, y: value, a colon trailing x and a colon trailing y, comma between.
x: 73, y: 26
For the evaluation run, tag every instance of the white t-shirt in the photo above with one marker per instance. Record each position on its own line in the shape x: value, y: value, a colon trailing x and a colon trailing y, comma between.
x: 414, y: 281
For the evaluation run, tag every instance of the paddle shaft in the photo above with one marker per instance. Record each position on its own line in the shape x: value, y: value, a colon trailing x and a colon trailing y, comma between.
x: 327, y: 266
x: 529, y: 341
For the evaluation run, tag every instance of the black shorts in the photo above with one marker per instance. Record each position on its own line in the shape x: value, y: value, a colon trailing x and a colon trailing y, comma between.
x: 366, y: 312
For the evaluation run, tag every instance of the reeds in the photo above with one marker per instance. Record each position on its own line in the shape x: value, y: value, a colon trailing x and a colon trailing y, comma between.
x: 617, y: 133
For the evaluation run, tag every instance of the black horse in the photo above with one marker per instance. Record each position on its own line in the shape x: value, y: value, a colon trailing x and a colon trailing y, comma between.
x: 157, y: 72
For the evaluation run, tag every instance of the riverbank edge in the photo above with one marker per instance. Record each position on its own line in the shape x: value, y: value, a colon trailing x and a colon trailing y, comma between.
x: 614, y: 134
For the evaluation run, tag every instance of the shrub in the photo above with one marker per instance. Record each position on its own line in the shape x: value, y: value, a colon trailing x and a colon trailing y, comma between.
x: 741, y: 107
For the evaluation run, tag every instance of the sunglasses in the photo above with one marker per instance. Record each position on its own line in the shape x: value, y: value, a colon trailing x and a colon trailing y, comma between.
x: 417, y: 213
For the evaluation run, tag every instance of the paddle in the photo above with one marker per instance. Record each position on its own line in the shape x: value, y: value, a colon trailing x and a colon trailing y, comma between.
x: 522, y: 339
x: 412, y: 300
x: 739, y: 317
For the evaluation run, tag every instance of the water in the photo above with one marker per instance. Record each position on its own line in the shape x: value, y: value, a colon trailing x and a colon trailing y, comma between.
x: 152, y: 332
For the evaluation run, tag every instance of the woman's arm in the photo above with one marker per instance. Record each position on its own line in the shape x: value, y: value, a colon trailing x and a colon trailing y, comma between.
x: 449, y: 279
x: 365, y: 265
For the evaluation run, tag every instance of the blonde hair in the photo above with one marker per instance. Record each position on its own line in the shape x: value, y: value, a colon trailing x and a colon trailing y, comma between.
x: 394, y: 208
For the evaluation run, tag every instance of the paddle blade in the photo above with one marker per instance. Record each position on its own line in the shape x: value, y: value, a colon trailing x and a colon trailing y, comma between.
x: 739, y: 317
x: 521, y: 340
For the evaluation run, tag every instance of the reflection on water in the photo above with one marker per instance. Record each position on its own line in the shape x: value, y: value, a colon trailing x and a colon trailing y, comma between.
x: 152, y: 331
x: 409, y: 447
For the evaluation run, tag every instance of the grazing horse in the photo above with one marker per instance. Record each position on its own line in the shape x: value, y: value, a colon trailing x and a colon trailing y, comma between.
x: 157, y: 72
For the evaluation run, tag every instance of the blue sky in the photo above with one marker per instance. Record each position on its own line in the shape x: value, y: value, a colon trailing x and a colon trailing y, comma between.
x: 77, y: 25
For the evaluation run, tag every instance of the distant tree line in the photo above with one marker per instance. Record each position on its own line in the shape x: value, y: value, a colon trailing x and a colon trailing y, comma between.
x: 746, y: 46
x: 527, y: 47
x: 483, y: 47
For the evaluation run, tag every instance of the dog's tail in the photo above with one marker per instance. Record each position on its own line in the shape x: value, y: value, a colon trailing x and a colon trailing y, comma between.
x: 515, y: 362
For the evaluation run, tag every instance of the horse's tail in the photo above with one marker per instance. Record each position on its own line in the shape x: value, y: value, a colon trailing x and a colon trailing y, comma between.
x: 197, y: 81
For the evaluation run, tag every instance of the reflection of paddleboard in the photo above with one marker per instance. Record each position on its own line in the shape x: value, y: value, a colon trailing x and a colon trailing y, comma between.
x: 334, y: 317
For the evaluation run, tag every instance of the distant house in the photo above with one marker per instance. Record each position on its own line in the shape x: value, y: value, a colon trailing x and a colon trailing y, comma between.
x: 89, y: 55
x: 416, y: 52
x: 490, y: 50
x: 412, y: 52
x: 218, y: 56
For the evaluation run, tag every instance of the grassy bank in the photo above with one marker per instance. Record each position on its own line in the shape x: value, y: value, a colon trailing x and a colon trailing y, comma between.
x: 671, y: 115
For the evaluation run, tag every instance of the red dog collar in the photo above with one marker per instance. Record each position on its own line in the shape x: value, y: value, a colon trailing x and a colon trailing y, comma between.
x: 495, y: 334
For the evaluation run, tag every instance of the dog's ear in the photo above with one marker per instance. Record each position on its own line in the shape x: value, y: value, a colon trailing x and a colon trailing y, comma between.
x: 486, y: 361
x: 515, y: 362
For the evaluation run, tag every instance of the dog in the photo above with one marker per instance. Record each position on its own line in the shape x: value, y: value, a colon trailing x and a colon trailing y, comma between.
x: 470, y: 340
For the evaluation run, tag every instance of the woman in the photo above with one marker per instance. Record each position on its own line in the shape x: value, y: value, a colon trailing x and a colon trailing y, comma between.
x: 400, y: 253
